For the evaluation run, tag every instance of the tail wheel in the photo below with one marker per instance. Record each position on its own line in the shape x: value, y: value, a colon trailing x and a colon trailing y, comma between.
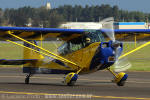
x: 26, y: 80
x: 121, y: 79
x: 71, y: 78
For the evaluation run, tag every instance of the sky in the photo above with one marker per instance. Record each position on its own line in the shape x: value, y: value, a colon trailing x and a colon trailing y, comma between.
x: 131, y: 5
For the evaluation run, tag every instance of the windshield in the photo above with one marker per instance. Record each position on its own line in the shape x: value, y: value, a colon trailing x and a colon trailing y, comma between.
x: 83, y: 41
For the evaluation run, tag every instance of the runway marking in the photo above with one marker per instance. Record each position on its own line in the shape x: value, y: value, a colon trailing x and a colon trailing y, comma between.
x: 115, y: 97
x: 48, y: 95
x: 72, y: 95
x: 146, y: 82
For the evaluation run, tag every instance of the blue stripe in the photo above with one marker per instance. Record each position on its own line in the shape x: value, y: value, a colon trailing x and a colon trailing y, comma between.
x: 130, y: 23
x: 42, y: 29
x: 131, y: 30
x: 18, y: 59
x: 44, y: 71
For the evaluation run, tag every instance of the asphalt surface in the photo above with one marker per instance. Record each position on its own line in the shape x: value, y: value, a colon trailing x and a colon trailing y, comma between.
x: 95, y: 86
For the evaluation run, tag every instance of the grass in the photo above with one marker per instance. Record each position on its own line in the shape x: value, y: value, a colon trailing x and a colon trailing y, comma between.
x: 140, y: 59
x: 12, y: 51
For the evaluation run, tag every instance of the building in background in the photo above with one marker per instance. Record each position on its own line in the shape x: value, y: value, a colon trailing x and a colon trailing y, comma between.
x: 48, y: 6
x: 81, y: 25
x: 130, y: 25
x: 98, y: 25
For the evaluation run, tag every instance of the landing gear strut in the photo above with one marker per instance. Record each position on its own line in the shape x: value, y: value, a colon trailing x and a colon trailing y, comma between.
x: 120, y: 78
x: 27, y: 79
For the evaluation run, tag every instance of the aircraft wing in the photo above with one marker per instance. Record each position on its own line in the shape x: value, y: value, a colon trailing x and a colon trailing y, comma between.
x: 129, y: 31
x: 30, y: 33
x: 131, y: 34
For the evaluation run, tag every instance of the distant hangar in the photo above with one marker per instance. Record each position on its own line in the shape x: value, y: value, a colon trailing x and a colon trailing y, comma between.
x: 98, y: 25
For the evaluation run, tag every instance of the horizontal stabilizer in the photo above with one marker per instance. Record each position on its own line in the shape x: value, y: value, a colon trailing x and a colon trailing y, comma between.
x: 16, y: 61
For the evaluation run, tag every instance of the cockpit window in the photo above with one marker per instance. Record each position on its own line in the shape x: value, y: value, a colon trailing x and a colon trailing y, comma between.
x: 95, y: 36
x: 63, y: 49
x: 76, y: 44
x: 81, y: 42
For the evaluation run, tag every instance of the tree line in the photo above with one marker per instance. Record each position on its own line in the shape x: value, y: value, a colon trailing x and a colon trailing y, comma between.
x: 42, y: 17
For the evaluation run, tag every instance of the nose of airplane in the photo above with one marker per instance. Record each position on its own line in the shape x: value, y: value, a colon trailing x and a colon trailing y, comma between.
x: 106, y: 54
x: 118, y: 48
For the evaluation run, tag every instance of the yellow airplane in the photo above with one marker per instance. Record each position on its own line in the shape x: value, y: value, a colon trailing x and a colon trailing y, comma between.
x: 82, y: 52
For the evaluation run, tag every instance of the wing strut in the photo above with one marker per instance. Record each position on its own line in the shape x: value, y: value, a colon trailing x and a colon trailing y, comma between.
x: 32, y: 49
x: 55, y: 56
x: 138, y: 48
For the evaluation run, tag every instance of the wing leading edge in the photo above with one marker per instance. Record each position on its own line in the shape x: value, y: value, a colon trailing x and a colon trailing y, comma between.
x: 31, y: 33
x: 130, y: 34
x: 129, y: 31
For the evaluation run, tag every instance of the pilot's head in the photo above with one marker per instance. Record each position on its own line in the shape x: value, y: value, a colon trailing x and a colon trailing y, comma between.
x: 88, y: 40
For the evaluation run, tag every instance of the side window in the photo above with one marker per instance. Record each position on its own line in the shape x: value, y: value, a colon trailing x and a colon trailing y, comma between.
x: 75, y: 47
x: 76, y: 44
x: 80, y: 42
x: 71, y: 46
x: 93, y: 36
x: 90, y: 38
x: 100, y: 35
x: 63, y: 49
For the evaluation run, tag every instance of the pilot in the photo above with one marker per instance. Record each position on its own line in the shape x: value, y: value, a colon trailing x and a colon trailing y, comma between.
x: 88, y: 41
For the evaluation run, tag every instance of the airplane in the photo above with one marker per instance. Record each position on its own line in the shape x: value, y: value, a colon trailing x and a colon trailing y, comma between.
x: 82, y: 52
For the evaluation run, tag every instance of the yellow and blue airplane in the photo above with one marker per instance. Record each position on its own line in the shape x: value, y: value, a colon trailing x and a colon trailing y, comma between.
x: 83, y: 52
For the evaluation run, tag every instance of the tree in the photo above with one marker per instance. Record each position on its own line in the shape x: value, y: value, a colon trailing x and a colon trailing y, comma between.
x: 41, y: 17
x: 55, y: 19
x: 1, y: 16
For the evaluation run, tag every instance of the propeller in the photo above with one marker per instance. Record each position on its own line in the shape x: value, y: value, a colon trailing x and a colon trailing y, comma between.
x: 107, y: 24
x: 121, y: 64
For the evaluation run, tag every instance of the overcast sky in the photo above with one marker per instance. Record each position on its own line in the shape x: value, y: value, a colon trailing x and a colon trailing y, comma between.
x: 132, y: 5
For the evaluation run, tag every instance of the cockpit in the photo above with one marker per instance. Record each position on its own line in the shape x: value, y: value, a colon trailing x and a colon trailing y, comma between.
x: 80, y: 42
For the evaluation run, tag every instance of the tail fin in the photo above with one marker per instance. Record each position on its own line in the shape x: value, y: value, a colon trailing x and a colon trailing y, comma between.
x: 30, y: 54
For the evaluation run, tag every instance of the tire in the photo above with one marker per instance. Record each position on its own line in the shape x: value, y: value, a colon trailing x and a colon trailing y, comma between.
x: 121, y: 83
x: 72, y: 83
x: 26, y: 80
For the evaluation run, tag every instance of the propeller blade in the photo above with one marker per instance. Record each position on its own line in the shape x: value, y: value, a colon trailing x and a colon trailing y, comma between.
x: 107, y: 24
x: 108, y: 27
x: 122, y: 65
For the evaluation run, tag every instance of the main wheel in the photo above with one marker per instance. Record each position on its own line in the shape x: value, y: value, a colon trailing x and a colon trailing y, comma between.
x: 70, y: 79
x: 121, y: 79
x: 121, y: 83
x: 72, y: 83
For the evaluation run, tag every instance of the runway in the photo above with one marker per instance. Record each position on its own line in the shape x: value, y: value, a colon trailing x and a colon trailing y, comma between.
x: 96, y: 86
